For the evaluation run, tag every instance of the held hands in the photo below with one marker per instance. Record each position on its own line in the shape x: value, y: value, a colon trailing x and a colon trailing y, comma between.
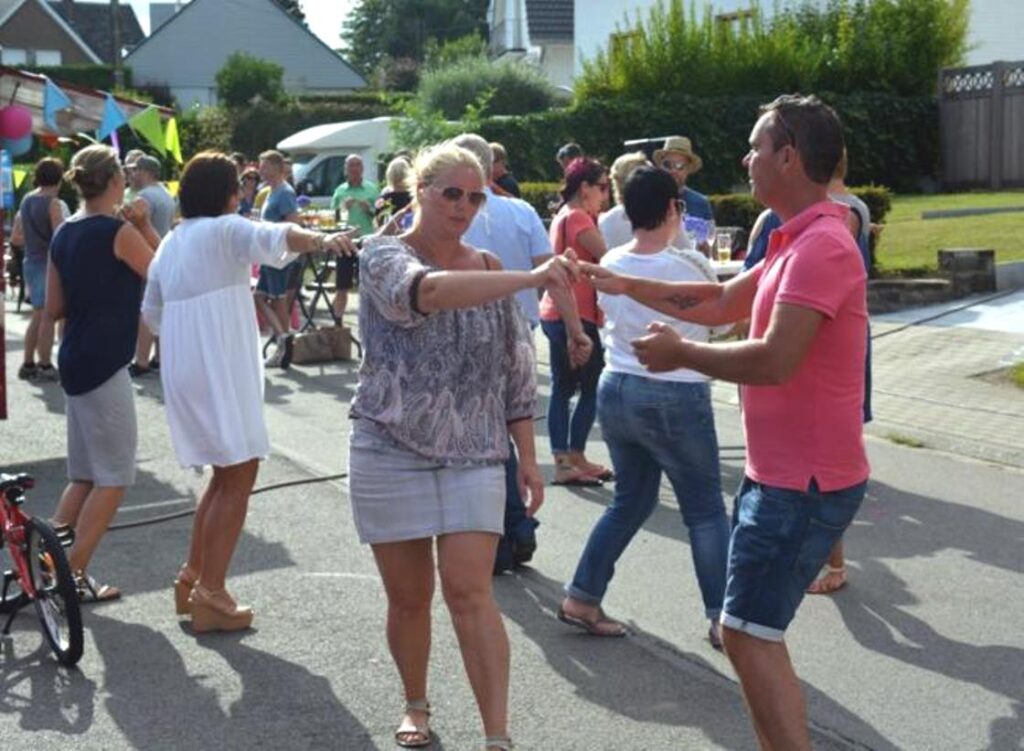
x: 602, y: 279
x: 136, y: 212
x: 661, y: 350
x: 560, y: 271
x: 531, y: 486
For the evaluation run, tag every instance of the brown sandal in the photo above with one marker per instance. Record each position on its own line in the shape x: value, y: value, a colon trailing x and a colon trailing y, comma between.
x: 594, y: 627
x: 89, y: 590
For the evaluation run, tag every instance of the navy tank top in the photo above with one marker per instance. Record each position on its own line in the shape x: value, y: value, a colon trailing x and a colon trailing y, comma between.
x: 102, y: 297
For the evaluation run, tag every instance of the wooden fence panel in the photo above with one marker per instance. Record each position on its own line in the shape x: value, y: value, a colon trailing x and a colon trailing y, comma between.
x: 981, y: 124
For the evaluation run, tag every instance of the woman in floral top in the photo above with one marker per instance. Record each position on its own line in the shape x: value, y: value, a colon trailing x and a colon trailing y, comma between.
x: 447, y: 376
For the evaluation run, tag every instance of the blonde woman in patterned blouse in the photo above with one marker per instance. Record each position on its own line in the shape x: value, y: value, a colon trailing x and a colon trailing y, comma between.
x: 447, y: 375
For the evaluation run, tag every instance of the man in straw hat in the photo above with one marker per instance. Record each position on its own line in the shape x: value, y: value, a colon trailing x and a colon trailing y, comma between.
x: 677, y: 156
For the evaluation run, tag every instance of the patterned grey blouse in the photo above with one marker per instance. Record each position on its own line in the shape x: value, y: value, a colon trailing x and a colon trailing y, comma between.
x: 443, y: 385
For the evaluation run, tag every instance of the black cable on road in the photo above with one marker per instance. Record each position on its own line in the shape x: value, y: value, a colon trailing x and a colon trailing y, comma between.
x: 190, y: 511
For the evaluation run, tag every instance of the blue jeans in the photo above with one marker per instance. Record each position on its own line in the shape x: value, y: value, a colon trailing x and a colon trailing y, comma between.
x: 566, y: 436
x: 520, y: 530
x: 651, y: 427
x: 780, y: 540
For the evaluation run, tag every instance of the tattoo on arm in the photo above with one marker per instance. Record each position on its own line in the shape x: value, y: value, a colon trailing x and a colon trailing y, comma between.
x: 683, y: 302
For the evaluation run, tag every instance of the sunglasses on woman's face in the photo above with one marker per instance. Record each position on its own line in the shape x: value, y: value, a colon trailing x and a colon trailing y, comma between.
x: 452, y: 194
x: 602, y: 186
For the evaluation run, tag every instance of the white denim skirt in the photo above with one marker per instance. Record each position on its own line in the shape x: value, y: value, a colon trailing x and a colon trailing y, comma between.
x: 398, y: 495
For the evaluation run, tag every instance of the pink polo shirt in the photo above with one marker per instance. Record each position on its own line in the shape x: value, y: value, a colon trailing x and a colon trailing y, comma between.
x: 811, y: 426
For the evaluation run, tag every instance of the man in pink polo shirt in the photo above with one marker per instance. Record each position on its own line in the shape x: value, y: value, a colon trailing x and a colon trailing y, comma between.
x: 802, y: 370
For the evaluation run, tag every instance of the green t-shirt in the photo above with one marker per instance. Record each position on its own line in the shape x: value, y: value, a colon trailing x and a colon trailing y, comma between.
x: 357, y: 215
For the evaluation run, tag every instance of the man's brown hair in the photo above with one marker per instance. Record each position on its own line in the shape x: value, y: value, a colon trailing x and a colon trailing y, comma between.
x: 812, y: 128
x: 273, y: 157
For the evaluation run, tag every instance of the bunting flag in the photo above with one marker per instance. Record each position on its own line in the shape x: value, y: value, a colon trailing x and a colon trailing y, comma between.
x: 19, y: 176
x: 171, y: 140
x: 113, y: 118
x: 147, y: 125
x: 54, y: 100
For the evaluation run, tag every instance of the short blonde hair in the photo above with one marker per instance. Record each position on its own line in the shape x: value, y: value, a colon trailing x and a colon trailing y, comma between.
x: 273, y: 157
x: 498, y: 152
x: 622, y: 168
x: 397, y: 173
x: 92, y: 169
x: 445, y: 156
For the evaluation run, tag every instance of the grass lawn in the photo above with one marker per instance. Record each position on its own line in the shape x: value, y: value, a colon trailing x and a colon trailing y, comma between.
x: 909, y: 242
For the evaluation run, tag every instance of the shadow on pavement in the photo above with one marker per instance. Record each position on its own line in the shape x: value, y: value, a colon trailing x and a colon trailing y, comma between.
x: 896, y: 525
x: 628, y: 679
x: 157, y: 703
x: 46, y: 696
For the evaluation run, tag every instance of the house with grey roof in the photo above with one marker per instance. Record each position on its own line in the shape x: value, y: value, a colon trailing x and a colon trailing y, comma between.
x: 538, y: 31
x: 185, y: 52
x: 64, y: 32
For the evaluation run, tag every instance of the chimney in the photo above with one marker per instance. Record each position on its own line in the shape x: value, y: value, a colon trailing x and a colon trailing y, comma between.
x: 69, y: 10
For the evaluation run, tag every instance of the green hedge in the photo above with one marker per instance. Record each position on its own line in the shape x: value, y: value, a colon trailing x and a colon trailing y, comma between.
x: 540, y: 196
x: 261, y: 126
x: 891, y: 140
x: 93, y: 76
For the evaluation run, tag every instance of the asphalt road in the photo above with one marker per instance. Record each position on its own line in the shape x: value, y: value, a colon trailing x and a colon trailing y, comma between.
x: 923, y: 650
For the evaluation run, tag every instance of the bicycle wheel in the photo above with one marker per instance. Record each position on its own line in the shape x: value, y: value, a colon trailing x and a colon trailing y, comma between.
x: 56, y: 597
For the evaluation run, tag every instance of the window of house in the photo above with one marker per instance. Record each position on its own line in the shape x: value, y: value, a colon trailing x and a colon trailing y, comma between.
x: 14, y: 56
x: 48, y: 57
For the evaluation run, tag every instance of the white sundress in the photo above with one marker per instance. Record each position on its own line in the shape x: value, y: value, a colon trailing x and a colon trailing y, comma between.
x: 198, y: 301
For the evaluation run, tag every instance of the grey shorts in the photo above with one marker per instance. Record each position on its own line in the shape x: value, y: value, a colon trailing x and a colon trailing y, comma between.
x: 102, y: 433
x: 398, y: 495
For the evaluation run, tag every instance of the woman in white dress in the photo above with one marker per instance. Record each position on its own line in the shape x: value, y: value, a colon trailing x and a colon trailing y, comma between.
x: 198, y: 301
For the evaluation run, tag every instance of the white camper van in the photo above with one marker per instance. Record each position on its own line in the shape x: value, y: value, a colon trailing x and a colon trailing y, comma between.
x: 318, y: 154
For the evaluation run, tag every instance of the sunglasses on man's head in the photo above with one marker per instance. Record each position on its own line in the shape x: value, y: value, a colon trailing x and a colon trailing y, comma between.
x: 452, y: 194
x: 670, y: 164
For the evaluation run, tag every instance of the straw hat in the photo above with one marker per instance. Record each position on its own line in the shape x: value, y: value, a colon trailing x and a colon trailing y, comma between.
x: 682, y: 146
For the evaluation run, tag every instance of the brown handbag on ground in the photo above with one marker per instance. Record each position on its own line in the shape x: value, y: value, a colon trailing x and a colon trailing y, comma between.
x: 322, y: 345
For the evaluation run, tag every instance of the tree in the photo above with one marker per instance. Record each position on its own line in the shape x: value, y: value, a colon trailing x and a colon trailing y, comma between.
x: 397, y: 29
x: 293, y: 8
x: 245, y: 79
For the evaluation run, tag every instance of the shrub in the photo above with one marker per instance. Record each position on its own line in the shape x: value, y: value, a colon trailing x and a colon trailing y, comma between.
x: 893, y: 46
x: 516, y: 89
x: 891, y: 140
x: 878, y: 200
x: 91, y: 76
x: 540, y: 196
x: 245, y: 79
x: 735, y: 210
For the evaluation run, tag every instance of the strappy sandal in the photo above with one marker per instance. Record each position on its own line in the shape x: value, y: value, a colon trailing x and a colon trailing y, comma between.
x: 819, y: 586
x: 502, y: 743
x: 602, y: 625
x: 89, y: 590
x: 412, y: 735
x: 183, y: 586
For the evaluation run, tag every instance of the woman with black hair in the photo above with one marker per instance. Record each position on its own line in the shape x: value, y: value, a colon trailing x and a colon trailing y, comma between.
x: 653, y: 423
x: 198, y: 301
x: 584, y: 196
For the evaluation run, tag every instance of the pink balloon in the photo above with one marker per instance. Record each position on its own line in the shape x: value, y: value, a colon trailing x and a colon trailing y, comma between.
x: 15, y: 121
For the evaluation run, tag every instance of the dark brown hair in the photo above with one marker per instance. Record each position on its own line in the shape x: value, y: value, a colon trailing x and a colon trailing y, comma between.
x: 581, y: 170
x: 92, y: 169
x: 812, y: 128
x: 49, y: 172
x: 207, y: 184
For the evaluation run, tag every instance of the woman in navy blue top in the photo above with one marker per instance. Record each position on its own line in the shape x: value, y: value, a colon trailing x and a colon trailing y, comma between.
x: 98, y: 262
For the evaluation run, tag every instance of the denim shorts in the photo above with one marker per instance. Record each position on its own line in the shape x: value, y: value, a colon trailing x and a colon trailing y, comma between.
x: 34, y: 272
x: 780, y: 540
x: 276, y: 283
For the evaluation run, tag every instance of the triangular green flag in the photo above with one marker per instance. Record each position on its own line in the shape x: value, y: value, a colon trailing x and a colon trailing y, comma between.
x: 171, y: 140
x: 147, y: 124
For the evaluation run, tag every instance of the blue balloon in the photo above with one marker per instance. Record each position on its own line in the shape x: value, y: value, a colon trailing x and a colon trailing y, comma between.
x: 17, y: 146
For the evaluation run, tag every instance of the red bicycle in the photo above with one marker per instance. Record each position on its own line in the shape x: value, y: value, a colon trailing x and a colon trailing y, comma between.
x: 41, y: 571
